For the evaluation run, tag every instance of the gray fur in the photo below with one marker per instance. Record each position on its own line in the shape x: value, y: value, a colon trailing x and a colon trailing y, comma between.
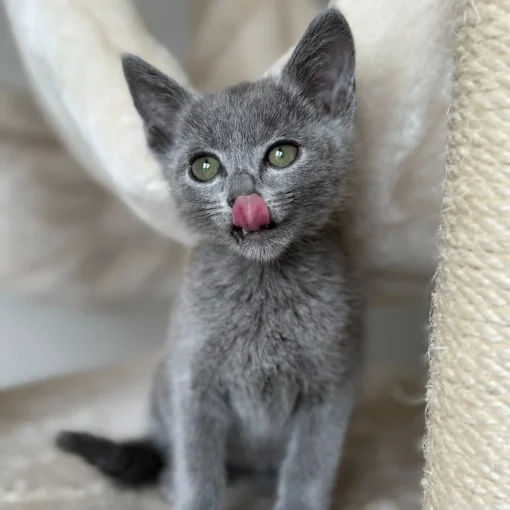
x: 266, y: 343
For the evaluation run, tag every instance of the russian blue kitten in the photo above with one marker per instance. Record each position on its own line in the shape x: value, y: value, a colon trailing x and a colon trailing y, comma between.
x: 266, y: 348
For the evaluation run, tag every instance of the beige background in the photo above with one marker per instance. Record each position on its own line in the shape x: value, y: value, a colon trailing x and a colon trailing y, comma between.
x: 40, y: 339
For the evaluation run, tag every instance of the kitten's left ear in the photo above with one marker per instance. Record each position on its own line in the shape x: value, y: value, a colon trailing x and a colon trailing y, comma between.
x: 323, y: 63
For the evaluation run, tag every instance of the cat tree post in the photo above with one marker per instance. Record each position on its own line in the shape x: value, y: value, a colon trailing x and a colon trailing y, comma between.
x: 468, y: 436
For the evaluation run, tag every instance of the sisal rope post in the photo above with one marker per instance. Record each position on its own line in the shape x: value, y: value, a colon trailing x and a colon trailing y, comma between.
x: 468, y: 423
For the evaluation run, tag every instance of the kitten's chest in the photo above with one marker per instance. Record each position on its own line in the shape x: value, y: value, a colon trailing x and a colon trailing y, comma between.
x: 270, y: 305
x: 264, y: 380
x: 262, y: 412
x: 268, y: 334
x: 274, y: 333
x: 265, y: 325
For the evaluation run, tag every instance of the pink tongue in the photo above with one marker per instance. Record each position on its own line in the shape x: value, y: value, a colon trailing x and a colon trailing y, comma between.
x: 250, y: 212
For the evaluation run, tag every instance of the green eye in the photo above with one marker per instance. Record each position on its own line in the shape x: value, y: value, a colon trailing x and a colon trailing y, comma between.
x: 205, y: 168
x: 282, y: 156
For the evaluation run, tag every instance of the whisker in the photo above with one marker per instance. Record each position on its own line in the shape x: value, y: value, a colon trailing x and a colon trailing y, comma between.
x: 288, y: 195
x: 211, y: 206
x: 280, y: 202
x: 212, y: 209
x: 276, y: 200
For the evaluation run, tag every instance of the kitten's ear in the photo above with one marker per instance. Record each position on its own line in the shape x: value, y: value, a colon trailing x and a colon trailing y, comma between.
x: 323, y: 63
x: 157, y: 98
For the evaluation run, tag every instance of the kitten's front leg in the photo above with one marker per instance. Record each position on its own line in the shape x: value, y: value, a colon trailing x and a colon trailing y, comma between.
x: 308, y: 473
x: 199, y: 450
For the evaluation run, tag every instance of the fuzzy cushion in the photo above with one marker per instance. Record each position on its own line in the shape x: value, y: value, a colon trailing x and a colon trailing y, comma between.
x: 381, y: 469
x: 71, y: 49
x: 64, y: 236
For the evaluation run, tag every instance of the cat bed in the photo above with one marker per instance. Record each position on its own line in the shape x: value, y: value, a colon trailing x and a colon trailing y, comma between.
x: 468, y: 433
x: 381, y: 470
x: 71, y: 50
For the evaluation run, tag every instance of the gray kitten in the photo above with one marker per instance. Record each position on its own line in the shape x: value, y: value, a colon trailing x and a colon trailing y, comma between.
x: 266, y: 343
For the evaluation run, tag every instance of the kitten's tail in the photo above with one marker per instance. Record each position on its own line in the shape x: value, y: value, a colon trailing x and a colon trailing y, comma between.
x: 132, y: 463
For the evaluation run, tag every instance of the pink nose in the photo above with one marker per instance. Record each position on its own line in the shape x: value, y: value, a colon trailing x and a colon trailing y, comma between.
x: 250, y: 212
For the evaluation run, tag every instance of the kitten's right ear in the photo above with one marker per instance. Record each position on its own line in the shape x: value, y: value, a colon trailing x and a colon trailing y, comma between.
x: 157, y: 98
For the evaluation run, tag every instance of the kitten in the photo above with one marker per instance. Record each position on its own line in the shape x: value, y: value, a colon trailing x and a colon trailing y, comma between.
x: 266, y: 344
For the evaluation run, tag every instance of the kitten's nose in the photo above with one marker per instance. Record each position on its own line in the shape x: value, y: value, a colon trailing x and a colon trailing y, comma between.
x: 240, y: 183
x: 250, y: 212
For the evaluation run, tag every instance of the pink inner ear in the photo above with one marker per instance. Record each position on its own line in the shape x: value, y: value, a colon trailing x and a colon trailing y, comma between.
x: 250, y: 212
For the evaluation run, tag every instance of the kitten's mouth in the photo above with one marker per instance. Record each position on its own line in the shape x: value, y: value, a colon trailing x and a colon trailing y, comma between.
x: 250, y: 217
x: 240, y: 233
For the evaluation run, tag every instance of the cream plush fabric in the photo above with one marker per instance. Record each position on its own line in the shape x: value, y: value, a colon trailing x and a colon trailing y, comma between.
x: 90, y: 218
x: 62, y: 234
x: 71, y: 51
x: 381, y: 469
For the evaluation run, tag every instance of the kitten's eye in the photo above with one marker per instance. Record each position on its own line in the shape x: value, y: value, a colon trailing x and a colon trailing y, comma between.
x: 205, y: 168
x: 282, y: 156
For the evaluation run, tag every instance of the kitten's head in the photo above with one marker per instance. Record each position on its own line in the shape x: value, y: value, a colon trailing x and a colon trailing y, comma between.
x: 257, y: 165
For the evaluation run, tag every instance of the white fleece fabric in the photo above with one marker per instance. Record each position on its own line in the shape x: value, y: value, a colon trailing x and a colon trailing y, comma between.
x: 404, y: 64
x: 63, y: 235
x: 71, y: 50
x: 381, y: 467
